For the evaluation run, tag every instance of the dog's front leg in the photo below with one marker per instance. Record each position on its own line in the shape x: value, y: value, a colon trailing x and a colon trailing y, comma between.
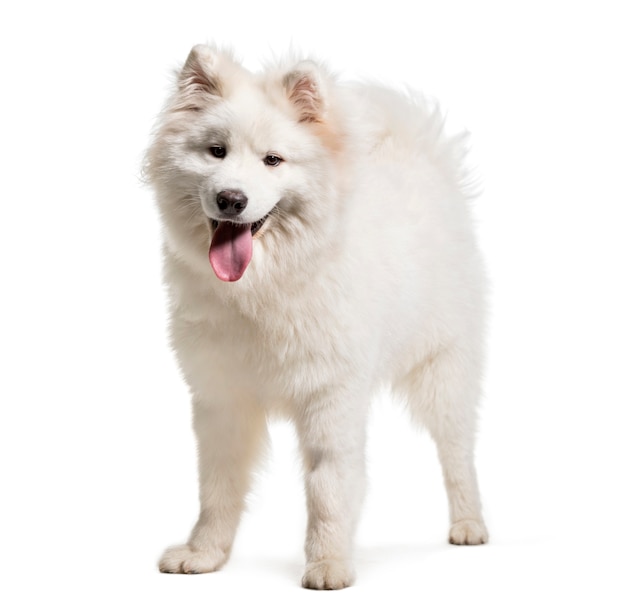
x: 331, y: 429
x: 230, y: 437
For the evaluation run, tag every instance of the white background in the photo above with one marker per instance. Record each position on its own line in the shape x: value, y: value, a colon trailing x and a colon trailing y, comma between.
x: 97, y: 455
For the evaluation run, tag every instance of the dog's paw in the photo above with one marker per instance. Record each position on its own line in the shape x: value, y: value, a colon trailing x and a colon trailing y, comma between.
x: 328, y: 575
x: 184, y: 559
x: 468, y: 533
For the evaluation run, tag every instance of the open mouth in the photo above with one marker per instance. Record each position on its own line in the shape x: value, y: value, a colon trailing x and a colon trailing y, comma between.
x: 254, y: 227
x: 230, y: 251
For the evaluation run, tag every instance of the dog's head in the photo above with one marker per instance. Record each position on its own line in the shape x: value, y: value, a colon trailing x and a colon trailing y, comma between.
x: 243, y: 161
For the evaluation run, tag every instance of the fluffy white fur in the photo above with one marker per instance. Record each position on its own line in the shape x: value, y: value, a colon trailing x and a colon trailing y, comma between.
x: 365, y: 274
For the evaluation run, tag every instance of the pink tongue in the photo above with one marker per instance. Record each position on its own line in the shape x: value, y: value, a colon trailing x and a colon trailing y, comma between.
x: 231, y: 250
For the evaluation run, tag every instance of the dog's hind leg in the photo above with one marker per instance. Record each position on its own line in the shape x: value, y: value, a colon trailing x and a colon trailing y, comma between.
x: 443, y: 393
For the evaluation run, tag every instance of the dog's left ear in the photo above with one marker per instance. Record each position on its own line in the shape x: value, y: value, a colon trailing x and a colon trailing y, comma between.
x: 305, y: 88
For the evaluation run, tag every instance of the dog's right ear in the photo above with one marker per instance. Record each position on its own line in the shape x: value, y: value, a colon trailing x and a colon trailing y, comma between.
x: 198, y: 81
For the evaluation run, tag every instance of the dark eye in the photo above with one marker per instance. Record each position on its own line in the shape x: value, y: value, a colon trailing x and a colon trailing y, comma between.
x: 272, y: 160
x: 219, y: 152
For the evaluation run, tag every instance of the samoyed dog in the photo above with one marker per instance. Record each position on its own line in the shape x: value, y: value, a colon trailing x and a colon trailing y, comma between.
x: 318, y: 246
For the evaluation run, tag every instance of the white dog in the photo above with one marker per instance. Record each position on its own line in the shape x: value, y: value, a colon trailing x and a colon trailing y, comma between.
x: 318, y: 245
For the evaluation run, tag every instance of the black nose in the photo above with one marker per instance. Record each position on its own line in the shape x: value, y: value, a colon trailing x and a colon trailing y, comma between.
x: 231, y: 202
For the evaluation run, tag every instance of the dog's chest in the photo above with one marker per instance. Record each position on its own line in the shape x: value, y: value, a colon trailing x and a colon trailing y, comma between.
x: 288, y: 350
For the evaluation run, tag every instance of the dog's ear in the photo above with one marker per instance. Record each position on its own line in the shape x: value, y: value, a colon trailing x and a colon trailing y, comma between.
x: 198, y: 81
x: 306, y: 90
